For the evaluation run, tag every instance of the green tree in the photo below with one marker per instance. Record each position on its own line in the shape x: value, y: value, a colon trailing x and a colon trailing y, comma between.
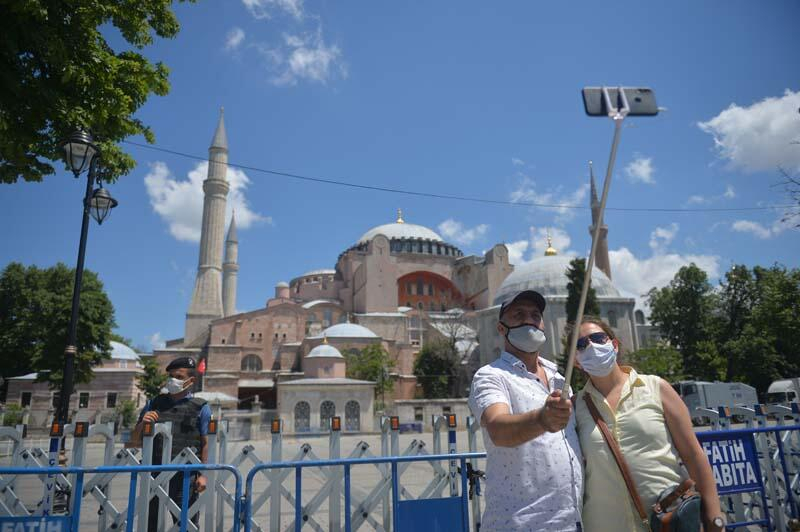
x: 737, y: 296
x: 126, y: 410
x: 59, y: 73
x: 372, y: 363
x: 153, y: 379
x: 436, y: 369
x: 662, y: 360
x: 575, y: 274
x: 684, y: 313
x: 766, y: 349
x: 35, y: 308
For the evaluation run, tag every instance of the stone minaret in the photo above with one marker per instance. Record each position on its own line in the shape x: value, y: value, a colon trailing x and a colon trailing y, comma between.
x: 230, y: 269
x: 601, y: 255
x: 206, y: 302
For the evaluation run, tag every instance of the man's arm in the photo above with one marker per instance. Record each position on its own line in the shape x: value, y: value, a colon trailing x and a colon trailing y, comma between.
x: 205, y: 418
x: 510, y: 430
x: 136, y: 434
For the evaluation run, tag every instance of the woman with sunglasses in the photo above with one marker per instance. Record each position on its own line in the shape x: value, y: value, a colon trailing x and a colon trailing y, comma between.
x: 652, y: 427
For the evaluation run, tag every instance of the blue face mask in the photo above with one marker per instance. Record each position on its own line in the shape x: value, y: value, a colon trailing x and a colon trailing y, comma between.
x: 598, y: 359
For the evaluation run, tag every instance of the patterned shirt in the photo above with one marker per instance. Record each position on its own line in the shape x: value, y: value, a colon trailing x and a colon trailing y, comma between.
x: 537, y: 485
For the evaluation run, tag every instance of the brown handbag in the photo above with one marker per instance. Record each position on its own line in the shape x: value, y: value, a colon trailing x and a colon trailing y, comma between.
x: 665, y: 510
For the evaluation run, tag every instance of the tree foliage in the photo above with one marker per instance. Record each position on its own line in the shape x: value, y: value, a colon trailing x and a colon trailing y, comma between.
x: 58, y: 73
x: 436, y: 369
x: 35, y: 308
x: 372, y: 363
x: 661, y: 360
x: 153, y: 379
x: 744, y: 331
x: 575, y: 274
x: 684, y: 313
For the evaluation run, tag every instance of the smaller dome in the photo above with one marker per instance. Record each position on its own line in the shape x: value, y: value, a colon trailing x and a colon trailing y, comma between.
x: 122, y: 352
x: 324, y: 351
x: 348, y: 330
x: 282, y: 284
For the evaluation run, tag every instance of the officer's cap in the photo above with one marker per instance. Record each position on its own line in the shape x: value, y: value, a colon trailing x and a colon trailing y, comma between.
x: 182, y: 362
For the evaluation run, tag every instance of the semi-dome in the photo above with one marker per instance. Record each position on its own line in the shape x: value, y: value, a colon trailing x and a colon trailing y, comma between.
x: 348, y: 330
x: 548, y: 276
x: 282, y: 284
x: 121, y: 351
x: 324, y: 351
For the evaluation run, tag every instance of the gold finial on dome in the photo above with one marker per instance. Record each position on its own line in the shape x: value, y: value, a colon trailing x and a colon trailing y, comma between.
x: 400, y: 216
x: 550, y: 251
x: 325, y: 339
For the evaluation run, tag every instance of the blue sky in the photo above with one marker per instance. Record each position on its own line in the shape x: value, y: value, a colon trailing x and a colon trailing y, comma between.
x: 468, y: 98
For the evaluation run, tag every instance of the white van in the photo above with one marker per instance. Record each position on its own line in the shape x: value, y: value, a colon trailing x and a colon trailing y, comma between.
x: 782, y: 391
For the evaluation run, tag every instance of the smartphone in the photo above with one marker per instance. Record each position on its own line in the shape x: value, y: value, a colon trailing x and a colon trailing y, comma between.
x: 641, y: 100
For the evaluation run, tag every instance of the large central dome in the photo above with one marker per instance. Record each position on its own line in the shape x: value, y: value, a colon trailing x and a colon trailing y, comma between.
x: 400, y: 230
x: 548, y: 276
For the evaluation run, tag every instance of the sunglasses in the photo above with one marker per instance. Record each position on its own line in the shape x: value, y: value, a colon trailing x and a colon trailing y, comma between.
x: 596, y: 338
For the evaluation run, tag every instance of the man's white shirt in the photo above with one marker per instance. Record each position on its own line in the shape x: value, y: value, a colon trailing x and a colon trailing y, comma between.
x: 537, y: 485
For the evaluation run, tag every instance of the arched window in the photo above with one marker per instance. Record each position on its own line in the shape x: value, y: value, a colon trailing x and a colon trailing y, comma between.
x: 251, y: 363
x: 612, y: 318
x: 326, y: 411
x: 639, y: 317
x: 302, y: 417
x: 352, y: 416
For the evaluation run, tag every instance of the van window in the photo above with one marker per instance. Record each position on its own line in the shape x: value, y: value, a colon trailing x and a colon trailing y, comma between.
x: 689, y: 389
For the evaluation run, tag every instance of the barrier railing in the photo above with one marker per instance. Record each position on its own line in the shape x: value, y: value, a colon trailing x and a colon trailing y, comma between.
x: 71, y: 521
x: 757, y: 471
x: 427, y: 513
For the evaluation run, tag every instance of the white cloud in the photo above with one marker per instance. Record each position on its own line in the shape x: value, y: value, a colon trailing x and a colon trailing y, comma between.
x: 524, y: 251
x: 516, y: 252
x: 265, y: 9
x: 637, y: 276
x: 527, y: 192
x: 640, y: 170
x: 156, y: 341
x: 517, y: 162
x: 662, y: 237
x: 729, y: 192
x: 180, y: 201
x: 305, y: 57
x: 697, y: 199
x: 760, y: 230
x: 758, y: 137
x: 234, y: 39
x: 455, y: 231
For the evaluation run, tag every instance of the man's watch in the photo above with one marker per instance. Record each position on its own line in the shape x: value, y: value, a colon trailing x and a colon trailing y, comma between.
x: 718, y: 522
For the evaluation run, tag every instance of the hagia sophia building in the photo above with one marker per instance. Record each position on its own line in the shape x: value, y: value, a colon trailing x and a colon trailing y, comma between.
x: 399, y: 284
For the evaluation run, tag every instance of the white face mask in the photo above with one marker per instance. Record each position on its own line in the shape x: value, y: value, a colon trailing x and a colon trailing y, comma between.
x: 174, y: 386
x: 598, y: 359
x: 526, y: 338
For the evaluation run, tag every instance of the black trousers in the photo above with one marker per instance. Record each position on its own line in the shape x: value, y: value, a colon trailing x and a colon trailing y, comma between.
x: 175, y: 491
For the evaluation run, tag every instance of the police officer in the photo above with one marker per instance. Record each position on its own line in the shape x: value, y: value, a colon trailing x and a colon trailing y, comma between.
x: 190, y: 417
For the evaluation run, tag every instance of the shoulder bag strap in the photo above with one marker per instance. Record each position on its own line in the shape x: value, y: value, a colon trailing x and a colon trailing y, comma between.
x: 617, y: 452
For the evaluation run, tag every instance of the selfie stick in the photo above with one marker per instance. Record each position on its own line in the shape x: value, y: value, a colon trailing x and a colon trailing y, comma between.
x: 617, y: 114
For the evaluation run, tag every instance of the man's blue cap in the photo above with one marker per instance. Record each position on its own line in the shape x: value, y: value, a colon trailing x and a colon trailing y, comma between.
x: 523, y: 295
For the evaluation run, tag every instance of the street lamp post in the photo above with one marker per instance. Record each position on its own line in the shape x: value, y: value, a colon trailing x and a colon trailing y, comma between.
x: 81, y: 153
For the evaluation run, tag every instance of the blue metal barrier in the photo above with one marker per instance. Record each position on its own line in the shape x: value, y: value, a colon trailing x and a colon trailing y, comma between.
x: 71, y: 522
x: 419, y: 514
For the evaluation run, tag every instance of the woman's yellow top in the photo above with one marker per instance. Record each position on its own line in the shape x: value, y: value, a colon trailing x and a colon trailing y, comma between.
x: 639, y: 427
